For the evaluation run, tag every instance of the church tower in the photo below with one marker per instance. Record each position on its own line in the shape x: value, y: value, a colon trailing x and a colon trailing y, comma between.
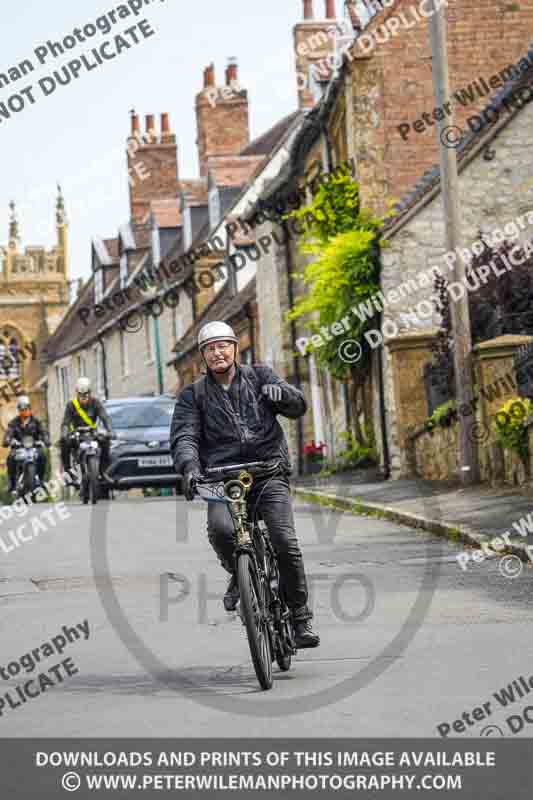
x: 34, y: 297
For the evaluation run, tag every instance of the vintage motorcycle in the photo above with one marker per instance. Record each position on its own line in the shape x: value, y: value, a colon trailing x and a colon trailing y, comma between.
x: 86, y: 453
x: 26, y: 453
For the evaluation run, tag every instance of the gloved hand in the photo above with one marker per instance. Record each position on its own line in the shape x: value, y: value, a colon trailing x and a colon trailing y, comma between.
x: 272, y: 391
x: 190, y: 473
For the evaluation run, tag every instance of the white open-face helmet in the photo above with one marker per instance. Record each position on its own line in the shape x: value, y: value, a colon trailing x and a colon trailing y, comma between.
x: 216, y: 332
x: 83, y: 386
x: 23, y: 403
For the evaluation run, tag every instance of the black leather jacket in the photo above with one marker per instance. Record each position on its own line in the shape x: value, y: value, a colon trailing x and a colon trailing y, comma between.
x: 213, y: 427
x: 33, y: 427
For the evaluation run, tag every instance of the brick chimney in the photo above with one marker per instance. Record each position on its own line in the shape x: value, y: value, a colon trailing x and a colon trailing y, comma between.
x: 222, y: 116
x: 152, y: 164
x: 313, y: 42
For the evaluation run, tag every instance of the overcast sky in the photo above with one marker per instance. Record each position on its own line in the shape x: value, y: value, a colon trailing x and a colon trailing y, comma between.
x: 77, y: 135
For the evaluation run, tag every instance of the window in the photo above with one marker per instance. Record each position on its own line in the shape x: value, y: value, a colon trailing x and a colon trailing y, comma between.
x: 98, y: 285
x: 148, y: 340
x: 124, y: 363
x: 9, y: 358
x: 63, y: 382
x: 246, y: 356
x: 147, y: 414
x: 82, y: 366
x: 123, y: 270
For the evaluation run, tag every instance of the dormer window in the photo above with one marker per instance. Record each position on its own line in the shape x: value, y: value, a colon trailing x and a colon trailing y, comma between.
x: 98, y: 285
x: 123, y: 270
x: 214, y: 207
x: 187, y: 228
x: 156, y: 246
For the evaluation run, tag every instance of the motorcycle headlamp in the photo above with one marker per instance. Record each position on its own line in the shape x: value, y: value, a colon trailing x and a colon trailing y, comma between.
x: 27, y: 441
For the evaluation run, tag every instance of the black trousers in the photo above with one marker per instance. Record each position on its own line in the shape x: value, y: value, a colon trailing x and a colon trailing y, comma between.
x: 271, y: 497
x: 12, y: 468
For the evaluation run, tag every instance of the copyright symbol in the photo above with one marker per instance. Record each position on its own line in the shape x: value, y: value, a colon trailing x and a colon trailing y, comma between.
x: 479, y: 433
x: 510, y: 567
x: 350, y: 351
x: 71, y: 781
x: 132, y: 323
x: 491, y: 730
x: 451, y: 136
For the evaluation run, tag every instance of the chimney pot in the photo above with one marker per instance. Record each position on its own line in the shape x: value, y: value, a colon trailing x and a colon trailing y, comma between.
x: 209, y: 76
x: 150, y: 124
x: 165, y: 125
x: 330, y: 9
x: 135, y: 126
x: 232, y: 71
x: 308, y: 9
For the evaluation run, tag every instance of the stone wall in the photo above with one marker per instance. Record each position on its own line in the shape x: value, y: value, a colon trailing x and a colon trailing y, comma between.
x: 492, y: 194
x: 406, y: 403
x: 435, y: 453
x: 435, y: 457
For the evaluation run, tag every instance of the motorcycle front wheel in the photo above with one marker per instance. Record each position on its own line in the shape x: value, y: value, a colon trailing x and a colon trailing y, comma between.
x: 29, y: 478
x: 92, y: 476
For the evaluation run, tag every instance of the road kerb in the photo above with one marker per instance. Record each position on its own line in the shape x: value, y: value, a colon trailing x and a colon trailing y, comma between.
x: 454, y: 532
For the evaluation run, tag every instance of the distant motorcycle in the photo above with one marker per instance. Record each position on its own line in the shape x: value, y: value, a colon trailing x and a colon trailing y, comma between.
x: 26, y: 453
x: 86, y: 462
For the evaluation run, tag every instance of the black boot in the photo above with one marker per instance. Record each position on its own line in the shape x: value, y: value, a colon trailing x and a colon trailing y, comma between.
x: 232, y: 596
x: 304, y: 635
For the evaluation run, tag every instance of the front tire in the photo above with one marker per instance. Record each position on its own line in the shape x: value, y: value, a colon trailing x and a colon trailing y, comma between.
x: 93, y: 480
x: 253, y: 614
x: 29, y: 478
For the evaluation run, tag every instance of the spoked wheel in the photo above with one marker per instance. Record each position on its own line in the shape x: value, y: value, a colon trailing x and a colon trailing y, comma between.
x: 92, y: 476
x: 253, y: 614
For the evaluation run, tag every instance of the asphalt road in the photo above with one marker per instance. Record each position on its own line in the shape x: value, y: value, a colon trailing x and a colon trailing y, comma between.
x: 409, y: 640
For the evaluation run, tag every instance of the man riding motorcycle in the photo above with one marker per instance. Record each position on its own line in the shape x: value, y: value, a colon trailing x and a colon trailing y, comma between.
x: 228, y: 417
x: 81, y: 412
x: 25, y: 424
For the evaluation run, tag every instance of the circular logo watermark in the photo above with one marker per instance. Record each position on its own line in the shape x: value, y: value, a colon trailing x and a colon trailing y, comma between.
x: 179, y: 681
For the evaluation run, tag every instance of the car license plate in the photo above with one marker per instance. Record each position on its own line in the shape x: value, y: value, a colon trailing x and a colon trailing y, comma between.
x: 155, y: 461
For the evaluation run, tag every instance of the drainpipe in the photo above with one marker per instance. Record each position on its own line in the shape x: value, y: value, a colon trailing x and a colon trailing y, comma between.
x: 104, y: 368
x: 251, y: 329
x: 159, y: 364
x: 381, y: 387
x: 295, y: 358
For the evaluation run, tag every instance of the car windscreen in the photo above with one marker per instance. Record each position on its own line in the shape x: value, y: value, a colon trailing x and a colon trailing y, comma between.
x: 140, y: 415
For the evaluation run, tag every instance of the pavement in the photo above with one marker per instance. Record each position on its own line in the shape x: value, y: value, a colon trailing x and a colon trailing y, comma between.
x: 477, y: 516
